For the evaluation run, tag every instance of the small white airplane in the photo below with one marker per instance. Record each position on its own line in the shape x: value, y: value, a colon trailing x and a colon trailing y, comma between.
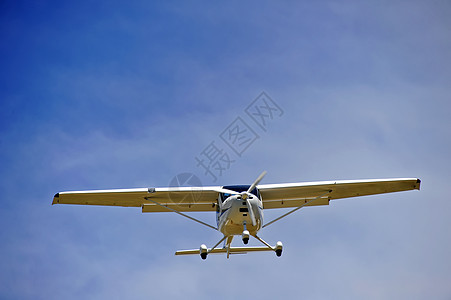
x: 239, y: 208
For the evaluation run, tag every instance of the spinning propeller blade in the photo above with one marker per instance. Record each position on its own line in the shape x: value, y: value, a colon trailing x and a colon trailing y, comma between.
x: 257, y: 181
x: 244, y: 195
x: 251, y: 212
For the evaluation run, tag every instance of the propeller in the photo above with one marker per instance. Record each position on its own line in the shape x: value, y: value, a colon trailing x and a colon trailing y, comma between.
x: 251, y: 212
x: 245, y: 195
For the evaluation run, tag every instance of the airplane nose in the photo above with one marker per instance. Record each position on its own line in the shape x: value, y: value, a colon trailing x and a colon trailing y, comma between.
x: 241, y: 201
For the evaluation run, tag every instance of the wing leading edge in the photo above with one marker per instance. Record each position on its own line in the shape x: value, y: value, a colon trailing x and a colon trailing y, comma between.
x: 297, y: 194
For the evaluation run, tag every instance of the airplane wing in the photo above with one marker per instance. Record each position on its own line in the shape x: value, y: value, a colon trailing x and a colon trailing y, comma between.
x: 178, y: 198
x: 297, y: 194
x: 186, y: 199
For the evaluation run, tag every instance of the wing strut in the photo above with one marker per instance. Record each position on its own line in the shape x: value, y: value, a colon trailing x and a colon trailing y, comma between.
x: 297, y: 208
x: 182, y: 214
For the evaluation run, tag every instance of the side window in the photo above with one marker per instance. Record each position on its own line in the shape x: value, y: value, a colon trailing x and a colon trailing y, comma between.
x: 224, y: 196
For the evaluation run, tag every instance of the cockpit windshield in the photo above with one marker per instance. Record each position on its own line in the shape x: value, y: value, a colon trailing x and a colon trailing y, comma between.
x: 238, y: 189
x: 225, y: 196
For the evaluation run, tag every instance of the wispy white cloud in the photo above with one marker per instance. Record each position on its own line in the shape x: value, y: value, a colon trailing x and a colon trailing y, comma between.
x: 364, y: 88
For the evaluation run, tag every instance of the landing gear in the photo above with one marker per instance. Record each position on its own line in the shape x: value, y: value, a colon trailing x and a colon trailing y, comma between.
x: 245, y: 234
x: 203, y: 251
x: 278, y: 248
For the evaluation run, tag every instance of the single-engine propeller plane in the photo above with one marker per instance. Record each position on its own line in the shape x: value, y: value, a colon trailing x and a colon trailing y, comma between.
x: 239, y: 209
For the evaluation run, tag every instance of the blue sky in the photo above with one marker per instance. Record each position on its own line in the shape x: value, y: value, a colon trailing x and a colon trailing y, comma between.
x: 105, y: 94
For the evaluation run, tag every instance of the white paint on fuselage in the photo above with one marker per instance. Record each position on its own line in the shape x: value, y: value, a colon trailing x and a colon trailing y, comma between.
x: 233, y: 214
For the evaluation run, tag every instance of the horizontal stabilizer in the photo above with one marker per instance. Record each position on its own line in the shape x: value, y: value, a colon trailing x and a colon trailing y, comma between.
x: 232, y: 250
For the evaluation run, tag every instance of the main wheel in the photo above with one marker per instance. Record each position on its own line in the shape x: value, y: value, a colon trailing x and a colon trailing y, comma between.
x: 203, y: 255
x: 279, y: 252
x: 245, y: 241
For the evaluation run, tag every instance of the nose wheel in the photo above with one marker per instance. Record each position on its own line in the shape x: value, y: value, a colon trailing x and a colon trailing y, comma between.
x: 245, y: 237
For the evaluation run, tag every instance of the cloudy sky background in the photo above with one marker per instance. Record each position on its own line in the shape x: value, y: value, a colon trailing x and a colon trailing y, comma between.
x: 113, y: 95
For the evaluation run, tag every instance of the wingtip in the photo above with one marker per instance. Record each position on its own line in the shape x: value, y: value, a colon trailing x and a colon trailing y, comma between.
x: 417, y: 186
x: 56, y: 198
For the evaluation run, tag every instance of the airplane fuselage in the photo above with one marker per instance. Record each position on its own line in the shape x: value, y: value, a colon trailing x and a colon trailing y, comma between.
x: 235, y: 214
